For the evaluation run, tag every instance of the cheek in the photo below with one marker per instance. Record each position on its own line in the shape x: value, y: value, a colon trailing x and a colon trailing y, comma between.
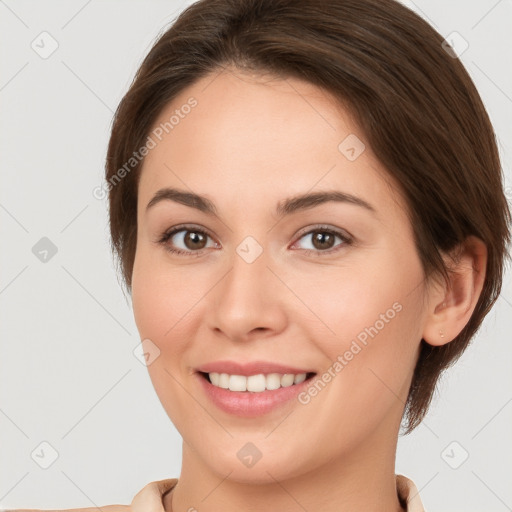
x: 168, y: 301
x: 149, y: 302
x: 162, y: 312
x: 155, y: 298
x: 157, y: 291
x: 375, y: 319
x: 375, y: 296
x: 369, y: 316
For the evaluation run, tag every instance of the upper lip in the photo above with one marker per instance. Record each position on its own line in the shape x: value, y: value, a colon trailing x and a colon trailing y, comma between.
x: 247, y: 369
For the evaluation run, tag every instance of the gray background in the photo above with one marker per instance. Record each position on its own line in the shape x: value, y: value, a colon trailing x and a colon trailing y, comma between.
x: 67, y: 369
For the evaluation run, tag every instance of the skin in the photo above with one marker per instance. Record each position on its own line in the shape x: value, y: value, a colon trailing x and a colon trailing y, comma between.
x: 251, y: 142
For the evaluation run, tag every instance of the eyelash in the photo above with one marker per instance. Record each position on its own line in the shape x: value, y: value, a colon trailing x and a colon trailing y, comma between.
x: 347, y: 240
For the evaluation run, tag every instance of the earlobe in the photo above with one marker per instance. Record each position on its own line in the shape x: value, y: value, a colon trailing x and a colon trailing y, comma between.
x: 451, y: 306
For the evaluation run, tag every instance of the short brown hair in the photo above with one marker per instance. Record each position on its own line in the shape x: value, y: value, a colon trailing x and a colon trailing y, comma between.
x: 414, y: 102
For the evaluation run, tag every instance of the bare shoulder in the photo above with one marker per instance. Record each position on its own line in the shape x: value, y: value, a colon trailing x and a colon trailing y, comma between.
x: 106, y: 508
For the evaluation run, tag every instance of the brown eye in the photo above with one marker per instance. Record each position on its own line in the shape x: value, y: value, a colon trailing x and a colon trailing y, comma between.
x: 194, y: 240
x: 323, y: 240
x: 185, y: 241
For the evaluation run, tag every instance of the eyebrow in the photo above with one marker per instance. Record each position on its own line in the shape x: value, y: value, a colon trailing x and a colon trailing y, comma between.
x: 286, y: 207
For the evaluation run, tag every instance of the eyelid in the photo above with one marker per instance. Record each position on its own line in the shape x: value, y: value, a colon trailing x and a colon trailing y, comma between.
x: 171, y: 232
x: 346, y: 238
x: 185, y: 227
x: 324, y: 227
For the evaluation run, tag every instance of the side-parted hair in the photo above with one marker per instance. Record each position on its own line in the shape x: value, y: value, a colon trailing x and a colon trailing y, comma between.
x: 415, y: 103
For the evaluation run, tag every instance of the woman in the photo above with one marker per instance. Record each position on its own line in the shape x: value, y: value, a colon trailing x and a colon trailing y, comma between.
x: 306, y: 202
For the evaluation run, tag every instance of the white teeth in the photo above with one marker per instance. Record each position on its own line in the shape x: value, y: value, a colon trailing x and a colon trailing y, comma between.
x: 224, y: 380
x: 237, y: 383
x: 215, y: 378
x: 287, y: 380
x: 273, y: 381
x: 255, y: 383
x: 299, y: 378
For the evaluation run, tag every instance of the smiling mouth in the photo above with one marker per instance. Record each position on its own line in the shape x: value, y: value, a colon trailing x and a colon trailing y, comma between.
x: 255, y: 383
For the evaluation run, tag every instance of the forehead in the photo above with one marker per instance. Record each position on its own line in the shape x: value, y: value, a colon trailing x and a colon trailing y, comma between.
x: 250, y: 135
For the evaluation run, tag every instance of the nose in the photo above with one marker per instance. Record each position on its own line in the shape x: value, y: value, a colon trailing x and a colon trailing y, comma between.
x: 249, y: 301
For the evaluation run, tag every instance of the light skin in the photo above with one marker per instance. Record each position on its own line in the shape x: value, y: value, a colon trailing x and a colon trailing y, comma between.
x: 251, y: 143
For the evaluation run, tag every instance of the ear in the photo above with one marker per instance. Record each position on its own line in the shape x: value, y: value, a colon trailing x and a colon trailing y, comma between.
x: 451, y: 304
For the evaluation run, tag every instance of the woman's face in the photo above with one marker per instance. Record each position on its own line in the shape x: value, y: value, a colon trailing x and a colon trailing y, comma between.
x: 333, y: 287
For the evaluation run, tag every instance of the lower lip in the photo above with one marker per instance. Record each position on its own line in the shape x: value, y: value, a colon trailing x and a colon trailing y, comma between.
x: 248, y: 404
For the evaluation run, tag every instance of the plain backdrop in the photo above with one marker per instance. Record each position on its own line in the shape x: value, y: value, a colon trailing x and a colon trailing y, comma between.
x: 68, y: 376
